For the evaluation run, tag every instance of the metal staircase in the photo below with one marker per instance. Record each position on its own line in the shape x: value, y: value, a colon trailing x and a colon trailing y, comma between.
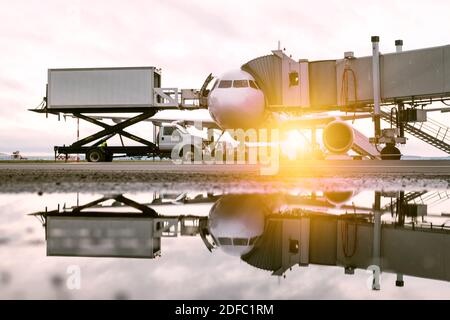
x: 421, y: 197
x: 432, y: 132
x: 432, y: 198
x: 409, y: 196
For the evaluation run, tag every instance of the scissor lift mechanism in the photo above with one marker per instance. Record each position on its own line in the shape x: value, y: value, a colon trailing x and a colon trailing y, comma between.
x: 98, y: 151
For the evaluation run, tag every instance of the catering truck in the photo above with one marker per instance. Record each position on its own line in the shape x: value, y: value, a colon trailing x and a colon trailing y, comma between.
x: 132, y: 95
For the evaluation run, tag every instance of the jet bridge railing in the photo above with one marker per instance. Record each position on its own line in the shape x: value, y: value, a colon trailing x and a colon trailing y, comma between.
x: 431, y: 131
x: 434, y: 128
x: 166, y: 97
x: 432, y: 198
x: 172, y: 98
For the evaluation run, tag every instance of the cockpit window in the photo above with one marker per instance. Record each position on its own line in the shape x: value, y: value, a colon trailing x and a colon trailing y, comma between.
x: 225, y: 84
x: 240, y: 83
x: 253, y: 84
x: 224, y: 241
x: 240, y: 241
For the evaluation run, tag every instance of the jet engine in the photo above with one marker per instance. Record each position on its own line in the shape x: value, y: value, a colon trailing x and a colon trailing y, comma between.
x: 338, y: 137
x: 338, y: 198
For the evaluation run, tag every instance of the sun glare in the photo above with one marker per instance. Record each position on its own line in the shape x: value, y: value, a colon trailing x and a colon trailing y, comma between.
x: 294, y: 144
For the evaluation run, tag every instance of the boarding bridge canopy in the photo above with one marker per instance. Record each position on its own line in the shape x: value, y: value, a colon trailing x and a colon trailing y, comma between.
x: 404, y: 76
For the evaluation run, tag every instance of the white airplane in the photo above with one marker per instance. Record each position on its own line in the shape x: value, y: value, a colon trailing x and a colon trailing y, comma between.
x: 237, y: 220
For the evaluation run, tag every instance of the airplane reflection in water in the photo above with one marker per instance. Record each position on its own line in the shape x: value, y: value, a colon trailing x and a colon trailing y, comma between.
x: 272, y: 232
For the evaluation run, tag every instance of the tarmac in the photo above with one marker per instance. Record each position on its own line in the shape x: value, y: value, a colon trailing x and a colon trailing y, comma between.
x: 123, y: 176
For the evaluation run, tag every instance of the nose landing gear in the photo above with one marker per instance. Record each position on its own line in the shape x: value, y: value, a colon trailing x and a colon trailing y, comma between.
x: 390, y: 152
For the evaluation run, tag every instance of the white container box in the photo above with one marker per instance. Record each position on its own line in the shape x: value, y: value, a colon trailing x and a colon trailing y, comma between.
x: 102, y: 89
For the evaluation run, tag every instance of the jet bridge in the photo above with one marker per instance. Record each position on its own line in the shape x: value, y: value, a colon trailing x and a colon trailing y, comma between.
x: 340, y: 84
x: 396, y: 87
x: 304, y: 238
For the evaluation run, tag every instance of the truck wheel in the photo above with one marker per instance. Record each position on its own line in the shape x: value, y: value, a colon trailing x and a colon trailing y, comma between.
x: 188, y: 153
x: 95, y: 155
x: 109, y: 157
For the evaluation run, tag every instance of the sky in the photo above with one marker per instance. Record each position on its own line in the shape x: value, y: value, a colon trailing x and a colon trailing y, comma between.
x: 188, y: 40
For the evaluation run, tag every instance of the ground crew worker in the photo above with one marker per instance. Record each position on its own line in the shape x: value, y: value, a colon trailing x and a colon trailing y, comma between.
x: 102, y: 146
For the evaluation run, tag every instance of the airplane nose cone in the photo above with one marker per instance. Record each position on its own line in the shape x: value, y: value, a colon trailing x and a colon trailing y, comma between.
x: 236, y: 220
x: 237, y: 108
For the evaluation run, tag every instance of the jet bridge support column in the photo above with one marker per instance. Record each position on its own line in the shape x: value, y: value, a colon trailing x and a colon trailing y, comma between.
x: 377, y: 240
x: 400, y: 120
x: 400, y: 105
x: 399, y: 282
x: 376, y: 85
x: 398, y: 46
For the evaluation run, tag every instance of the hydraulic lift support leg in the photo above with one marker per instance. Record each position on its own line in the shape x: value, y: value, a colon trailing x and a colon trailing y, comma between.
x: 109, y: 131
x: 376, y: 85
x: 120, y: 198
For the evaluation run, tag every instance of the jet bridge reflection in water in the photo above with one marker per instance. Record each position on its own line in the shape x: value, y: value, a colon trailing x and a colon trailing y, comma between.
x: 270, y: 232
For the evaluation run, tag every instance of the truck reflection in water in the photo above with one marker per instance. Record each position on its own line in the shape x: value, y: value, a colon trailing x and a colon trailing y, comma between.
x: 273, y: 232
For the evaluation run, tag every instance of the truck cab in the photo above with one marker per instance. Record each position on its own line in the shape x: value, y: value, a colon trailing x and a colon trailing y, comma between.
x: 171, y: 135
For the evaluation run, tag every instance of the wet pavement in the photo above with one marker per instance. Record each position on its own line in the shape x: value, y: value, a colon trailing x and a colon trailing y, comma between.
x: 206, y: 243
x: 151, y: 176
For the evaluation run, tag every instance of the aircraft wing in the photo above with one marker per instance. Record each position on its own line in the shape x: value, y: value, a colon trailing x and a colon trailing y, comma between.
x: 294, y: 123
x: 306, y: 122
x: 318, y: 121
